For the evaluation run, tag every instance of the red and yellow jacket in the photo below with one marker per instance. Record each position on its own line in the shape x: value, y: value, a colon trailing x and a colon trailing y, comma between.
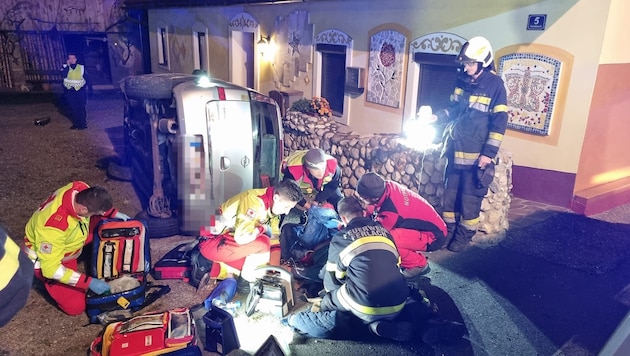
x: 293, y: 168
x: 55, y: 233
x: 244, y: 214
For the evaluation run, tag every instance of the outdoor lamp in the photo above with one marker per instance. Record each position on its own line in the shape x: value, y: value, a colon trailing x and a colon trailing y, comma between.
x: 263, y: 46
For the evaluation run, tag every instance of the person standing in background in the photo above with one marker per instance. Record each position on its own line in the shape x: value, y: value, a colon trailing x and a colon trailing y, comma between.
x: 75, y: 91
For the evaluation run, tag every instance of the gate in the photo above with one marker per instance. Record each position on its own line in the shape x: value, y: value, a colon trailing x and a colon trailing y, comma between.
x: 36, y: 57
x: 43, y: 54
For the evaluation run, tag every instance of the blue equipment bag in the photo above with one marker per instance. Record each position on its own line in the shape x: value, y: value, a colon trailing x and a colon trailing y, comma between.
x: 121, y: 256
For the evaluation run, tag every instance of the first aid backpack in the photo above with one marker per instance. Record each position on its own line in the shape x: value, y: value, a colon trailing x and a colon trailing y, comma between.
x: 171, y: 332
x: 122, y: 257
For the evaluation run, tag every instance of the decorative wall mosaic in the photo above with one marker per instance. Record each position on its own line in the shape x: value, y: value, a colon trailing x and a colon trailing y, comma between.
x: 531, y: 81
x: 385, y: 69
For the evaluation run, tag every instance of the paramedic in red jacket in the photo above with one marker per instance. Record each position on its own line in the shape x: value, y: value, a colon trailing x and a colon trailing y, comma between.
x: 411, y: 220
x: 240, y: 237
x: 317, y: 174
x: 55, y: 236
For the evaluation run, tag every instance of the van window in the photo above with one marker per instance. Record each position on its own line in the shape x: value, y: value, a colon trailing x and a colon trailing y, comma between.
x: 267, y: 142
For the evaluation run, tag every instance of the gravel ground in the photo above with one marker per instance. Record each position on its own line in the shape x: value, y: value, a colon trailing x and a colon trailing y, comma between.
x: 39, y: 159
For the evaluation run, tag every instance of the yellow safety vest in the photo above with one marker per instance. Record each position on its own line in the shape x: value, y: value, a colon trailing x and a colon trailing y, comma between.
x: 75, y: 78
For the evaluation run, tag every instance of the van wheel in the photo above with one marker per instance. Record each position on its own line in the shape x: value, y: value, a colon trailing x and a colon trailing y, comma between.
x: 153, y: 86
x: 159, y: 227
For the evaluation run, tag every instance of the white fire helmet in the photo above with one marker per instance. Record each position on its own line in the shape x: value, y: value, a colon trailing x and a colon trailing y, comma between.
x: 476, y: 49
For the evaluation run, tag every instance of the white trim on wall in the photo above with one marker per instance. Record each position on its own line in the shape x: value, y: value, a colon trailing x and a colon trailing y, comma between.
x: 436, y: 43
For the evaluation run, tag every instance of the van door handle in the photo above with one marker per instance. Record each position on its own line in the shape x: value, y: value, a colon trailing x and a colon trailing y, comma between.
x: 225, y: 163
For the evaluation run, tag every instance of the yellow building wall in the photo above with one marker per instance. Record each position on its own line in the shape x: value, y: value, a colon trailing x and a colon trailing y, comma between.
x: 604, y: 158
x: 587, y: 30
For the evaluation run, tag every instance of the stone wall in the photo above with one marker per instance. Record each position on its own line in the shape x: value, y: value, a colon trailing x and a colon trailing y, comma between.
x: 420, y: 171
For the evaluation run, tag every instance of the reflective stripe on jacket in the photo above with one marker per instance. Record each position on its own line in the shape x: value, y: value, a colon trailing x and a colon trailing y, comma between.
x: 362, y: 272
x: 478, y: 112
x: 55, y: 233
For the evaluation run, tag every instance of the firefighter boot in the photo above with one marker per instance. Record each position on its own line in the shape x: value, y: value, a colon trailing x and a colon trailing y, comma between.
x: 461, y: 239
x: 450, y: 231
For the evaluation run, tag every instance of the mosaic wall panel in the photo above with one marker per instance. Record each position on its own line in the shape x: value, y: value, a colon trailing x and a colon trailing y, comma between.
x: 385, y: 69
x: 531, y: 81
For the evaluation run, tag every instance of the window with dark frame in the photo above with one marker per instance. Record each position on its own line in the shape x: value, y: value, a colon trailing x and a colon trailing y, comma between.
x: 333, y: 75
x: 202, y: 49
x: 438, y: 73
x: 162, y: 49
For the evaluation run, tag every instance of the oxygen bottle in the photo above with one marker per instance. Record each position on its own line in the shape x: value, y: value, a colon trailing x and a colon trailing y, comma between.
x: 222, y: 295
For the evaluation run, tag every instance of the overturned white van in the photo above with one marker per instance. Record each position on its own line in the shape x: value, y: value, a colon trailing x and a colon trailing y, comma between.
x: 209, y: 139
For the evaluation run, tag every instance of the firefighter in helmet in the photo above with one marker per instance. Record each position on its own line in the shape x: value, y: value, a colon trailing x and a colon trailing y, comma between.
x: 477, y: 119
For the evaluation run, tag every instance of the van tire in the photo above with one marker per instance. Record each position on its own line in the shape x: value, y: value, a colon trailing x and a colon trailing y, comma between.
x: 159, y: 227
x: 153, y: 86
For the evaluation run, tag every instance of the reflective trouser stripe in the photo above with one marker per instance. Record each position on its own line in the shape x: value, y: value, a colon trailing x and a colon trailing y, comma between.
x: 365, y: 312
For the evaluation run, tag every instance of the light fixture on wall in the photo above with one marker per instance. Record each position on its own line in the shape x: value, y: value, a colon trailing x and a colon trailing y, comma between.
x: 264, y: 46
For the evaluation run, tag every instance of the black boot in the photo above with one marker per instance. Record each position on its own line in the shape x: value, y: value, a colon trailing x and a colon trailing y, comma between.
x: 242, y: 285
x: 461, y: 239
x: 200, y: 267
x: 450, y: 231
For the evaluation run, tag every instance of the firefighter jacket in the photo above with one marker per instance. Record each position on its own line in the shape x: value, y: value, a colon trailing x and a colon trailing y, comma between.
x: 16, y: 277
x: 477, y: 119
x: 401, y: 208
x: 362, y: 272
x: 55, y: 233
x: 247, y: 214
x: 322, y: 189
x: 74, y: 78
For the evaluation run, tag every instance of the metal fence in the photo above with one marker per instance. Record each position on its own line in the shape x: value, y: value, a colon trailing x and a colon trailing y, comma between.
x: 38, y: 54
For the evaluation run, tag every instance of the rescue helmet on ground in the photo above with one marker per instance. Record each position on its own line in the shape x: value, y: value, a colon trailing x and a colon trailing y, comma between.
x: 476, y: 49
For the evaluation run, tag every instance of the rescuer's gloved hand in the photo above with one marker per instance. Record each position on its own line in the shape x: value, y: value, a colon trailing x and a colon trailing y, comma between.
x: 317, y: 305
x: 265, y: 230
x: 121, y: 216
x: 99, y: 287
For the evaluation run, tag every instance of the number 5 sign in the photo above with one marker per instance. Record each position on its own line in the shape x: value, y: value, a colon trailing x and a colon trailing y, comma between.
x: 536, y: 22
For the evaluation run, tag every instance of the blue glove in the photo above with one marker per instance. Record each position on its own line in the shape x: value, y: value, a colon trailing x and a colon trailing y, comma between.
x: 99, y: 287
x: 121, y: 216
x: 267, y: 230
x: 332, y: 224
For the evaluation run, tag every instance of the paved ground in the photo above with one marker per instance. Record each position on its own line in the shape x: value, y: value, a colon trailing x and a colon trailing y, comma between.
x: 512, y: 304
